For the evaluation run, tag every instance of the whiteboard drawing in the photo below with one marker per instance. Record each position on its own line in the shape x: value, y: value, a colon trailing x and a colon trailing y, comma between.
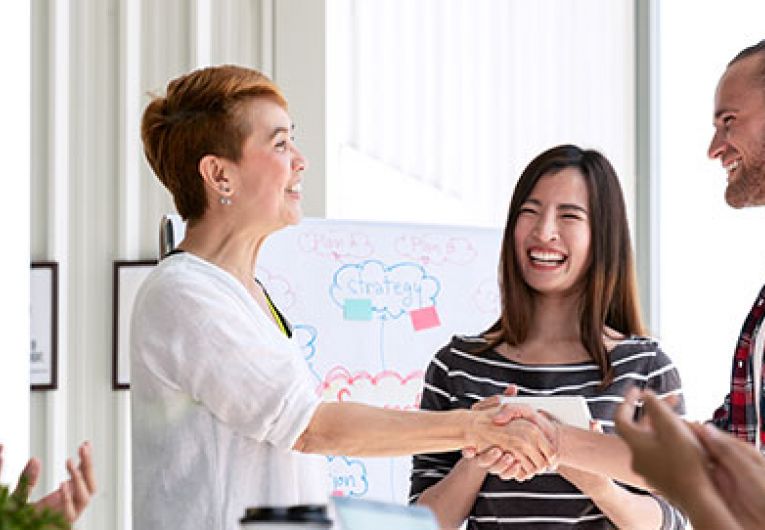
x: 370, y: 304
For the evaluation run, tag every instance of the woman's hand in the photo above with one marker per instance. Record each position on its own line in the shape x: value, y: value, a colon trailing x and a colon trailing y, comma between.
x: 72, y: 496
x: 534, y: 453
x: 591, y: 484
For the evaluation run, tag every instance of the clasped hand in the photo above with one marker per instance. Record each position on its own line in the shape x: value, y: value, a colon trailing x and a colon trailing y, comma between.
x: 530, y: 444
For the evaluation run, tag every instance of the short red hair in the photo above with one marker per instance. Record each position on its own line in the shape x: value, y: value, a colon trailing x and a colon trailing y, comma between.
x: 202, y: 114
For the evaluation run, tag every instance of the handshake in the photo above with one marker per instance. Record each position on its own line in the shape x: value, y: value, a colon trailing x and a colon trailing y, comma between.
x: 513, y: 441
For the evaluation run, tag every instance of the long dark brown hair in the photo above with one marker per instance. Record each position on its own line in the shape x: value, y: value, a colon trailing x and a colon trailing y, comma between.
x: 609, y: 292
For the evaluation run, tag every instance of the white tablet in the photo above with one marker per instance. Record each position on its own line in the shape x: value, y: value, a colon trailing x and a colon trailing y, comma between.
x: 363, y: 514
x: 572, y: 410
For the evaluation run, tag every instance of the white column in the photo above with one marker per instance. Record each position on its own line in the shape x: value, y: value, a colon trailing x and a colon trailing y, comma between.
x: 15, y: 37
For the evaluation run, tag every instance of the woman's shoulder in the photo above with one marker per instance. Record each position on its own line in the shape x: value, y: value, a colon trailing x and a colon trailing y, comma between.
x: 468, y: 343
x: 180, y: 281
x: 462, y: 346
x: 639, y: 348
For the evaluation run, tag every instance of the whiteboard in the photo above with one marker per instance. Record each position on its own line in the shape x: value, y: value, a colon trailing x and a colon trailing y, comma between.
x: 370, y: 305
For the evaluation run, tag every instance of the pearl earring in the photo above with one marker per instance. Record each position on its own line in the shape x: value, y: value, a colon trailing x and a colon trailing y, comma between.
x: 225, y: 201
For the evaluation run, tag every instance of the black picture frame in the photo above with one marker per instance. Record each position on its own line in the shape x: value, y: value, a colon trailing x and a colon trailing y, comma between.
x: 127, y: 278
x: 43, y: 325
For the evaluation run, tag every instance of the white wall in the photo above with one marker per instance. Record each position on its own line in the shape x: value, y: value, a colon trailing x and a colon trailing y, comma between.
x: 14, y: 217
x: 437, y: 106
x: 712, y: 258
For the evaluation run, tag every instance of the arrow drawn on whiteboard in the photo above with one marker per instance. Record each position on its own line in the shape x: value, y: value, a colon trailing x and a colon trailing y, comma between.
x: 433, y: 249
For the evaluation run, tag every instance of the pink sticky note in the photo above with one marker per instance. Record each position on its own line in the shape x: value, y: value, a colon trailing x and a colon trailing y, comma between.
x: 425, y: 318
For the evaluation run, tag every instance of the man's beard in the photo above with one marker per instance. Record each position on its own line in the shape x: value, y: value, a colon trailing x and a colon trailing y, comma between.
x: 748, y: 189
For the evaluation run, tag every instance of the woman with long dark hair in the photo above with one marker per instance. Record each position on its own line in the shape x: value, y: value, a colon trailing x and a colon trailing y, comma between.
x: 570, y: 325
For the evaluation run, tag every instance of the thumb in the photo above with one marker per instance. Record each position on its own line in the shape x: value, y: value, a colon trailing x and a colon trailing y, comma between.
x: 508, y: 413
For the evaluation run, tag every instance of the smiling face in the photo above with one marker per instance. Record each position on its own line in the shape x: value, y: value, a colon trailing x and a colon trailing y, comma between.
x: 267, y: 180
x: 739, y: 139
x: 552, y: 233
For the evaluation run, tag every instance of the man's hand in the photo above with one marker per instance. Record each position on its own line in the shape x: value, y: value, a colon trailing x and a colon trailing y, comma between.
x: 738, y: 472
x: 665, y: 449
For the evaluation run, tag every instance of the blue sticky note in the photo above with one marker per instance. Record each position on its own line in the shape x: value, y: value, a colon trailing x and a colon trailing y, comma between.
x: 357, y: 309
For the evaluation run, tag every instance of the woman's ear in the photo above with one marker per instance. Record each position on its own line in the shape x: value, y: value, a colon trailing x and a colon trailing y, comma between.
x: 211, y: 168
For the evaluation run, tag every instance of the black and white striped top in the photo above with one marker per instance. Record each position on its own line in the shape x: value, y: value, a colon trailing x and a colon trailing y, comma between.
x: 457, y: 378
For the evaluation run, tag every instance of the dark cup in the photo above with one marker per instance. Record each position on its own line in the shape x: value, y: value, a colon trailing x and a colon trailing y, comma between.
x: 299, y: 517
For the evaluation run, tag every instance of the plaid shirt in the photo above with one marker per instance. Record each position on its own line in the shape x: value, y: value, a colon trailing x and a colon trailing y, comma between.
x: 738, y: 414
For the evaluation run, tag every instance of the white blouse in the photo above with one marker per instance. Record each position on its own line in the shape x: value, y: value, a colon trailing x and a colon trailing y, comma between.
x: 219, y: 396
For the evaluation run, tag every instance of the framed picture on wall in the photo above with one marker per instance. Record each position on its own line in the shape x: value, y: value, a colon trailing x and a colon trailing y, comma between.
x: 43, y: 325
x: 128, y: 276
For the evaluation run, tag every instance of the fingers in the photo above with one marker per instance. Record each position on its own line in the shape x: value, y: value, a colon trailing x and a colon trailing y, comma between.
x: 67, y: 506
x: 508, y: 413
x: 485, y: 404
x: 726, y: 450
x: 80, y: 494
x: 548, y: 443
x: 626, y: 426
x: 511, y: 390
x: 659, y: 413
x: 510, y: 465
x: 86, y: 467
x: 673, y: 400
x: 489, y: 458
x: 28, y: 479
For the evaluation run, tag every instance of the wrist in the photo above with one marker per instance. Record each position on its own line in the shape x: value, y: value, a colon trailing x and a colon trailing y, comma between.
x: 562, y: 433
x: 468, y: 425
x: 600, y: 489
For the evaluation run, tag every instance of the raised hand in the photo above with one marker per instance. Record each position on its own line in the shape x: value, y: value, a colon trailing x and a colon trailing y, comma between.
x: 664, y: 448
x: 73, y: 495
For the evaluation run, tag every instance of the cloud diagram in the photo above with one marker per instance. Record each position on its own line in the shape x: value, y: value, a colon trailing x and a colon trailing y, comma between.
x: 279, y: 289
x: 388, y: 291
x: 387, y: 389
x: 432, y: 249
x: 349, y: 477
x: 306, y: 337
x: 486, y: 297
x: 336, y: 245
